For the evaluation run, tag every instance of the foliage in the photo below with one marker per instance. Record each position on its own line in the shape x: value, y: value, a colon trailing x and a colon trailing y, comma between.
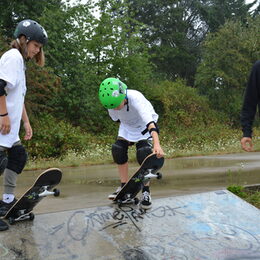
x: 227, y: 59
x: 83, y: 51
x: 181, y: 107
x: 250, y: 196
x: 172, y: 33
x: 53, y: 138
x: 13, y: 11
x: 238, y: 190
x: 215, y: 13
x: 141, y: 43
x: 42, y: 87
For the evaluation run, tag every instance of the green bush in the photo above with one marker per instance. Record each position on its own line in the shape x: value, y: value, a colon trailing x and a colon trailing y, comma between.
x: 53, y: 138
x: 238, y: 190
x: 181, y: 107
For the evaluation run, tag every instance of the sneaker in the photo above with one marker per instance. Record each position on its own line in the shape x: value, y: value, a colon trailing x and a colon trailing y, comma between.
x: 146, y: 201
x: 3, y: 225
x: 113, y: 195
x: 4, y: 207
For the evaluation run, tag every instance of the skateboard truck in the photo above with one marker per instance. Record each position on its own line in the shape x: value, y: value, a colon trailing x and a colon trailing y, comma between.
x: 151, y: 175
x: 45, y: 193
x: 22, y: 216
x: 128, y: 200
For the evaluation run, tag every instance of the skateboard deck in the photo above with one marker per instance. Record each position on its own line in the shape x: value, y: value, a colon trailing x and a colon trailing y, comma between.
x: 148, y: 170
x: 41, y: 188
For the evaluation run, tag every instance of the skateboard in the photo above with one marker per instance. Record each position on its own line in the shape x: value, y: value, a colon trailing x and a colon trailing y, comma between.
x: 41, y: 188
x: 148, y: 170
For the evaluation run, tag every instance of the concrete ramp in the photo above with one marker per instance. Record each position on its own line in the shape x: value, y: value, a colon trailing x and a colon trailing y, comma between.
x: 213, y: 225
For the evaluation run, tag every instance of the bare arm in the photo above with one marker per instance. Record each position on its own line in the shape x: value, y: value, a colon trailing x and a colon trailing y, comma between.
x: 5, y: 125
x: 156, y: 142
x: 26, y: 124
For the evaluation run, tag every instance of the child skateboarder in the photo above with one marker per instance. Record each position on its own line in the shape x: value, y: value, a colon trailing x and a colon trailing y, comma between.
x: 29, y: 40
x: 137, y: 126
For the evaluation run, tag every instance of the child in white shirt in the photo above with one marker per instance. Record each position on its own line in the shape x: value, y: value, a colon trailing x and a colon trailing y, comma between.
x: 137, y: 126
x: 28, y: 44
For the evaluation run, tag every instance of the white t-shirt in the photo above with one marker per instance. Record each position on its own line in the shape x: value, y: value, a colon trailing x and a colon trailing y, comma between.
x: 12, y: 70
x: 134, y: 121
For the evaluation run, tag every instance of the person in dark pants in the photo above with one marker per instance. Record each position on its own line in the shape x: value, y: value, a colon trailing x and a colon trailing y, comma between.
x: 29, y: 38
x: 251, y: 101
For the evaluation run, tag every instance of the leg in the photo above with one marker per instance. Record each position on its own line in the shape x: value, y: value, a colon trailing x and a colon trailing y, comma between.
x: 123, y: 172
x: 120, y: 156
x: 17, y: 157
x: 3, y: 159
x: 10, y: 178
x: 143, y: 149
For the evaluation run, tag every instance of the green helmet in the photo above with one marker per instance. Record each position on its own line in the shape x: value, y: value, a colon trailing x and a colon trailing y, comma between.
x: 112, y: 92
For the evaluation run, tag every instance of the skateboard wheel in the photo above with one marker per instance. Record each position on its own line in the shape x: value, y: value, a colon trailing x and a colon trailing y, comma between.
x: 136, y: 201
x: 31, y: 216
x: 159, y: 175
x: 119, y: 202
x: 11, y: 221
x: 56, y: 192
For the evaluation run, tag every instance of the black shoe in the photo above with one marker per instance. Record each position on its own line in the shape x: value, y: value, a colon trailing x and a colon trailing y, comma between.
x: 3, y: 225
x: 146, y: 201
x: 4, y: 207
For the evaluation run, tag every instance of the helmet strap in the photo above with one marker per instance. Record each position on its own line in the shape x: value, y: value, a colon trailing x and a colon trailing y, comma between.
x: 126, y: 103
x: 126, y: 99
x: 18, y: 41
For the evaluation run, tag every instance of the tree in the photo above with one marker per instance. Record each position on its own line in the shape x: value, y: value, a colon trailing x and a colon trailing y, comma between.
x: 228, y: 57
x: 13, y: 11
x: 173, y: 33
x: 216, y: 13
x: 83, y: 50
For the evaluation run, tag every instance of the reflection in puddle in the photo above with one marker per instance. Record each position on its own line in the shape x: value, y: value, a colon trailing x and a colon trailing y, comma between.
x: 90, y: 186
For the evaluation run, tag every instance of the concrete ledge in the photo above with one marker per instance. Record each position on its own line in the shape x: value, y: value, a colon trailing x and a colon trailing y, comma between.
x: 255, y: 187
x: 214, y: 225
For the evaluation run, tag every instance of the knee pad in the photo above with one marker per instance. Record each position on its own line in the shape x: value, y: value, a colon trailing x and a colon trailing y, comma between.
x: 17, y: 157
x: 120, y: 151
x: 3, y: 161
x: 143, y: 149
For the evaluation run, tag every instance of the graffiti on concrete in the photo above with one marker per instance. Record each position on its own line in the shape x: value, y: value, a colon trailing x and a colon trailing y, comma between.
x: 164, y: 232
x: 222, y: 239
x: 3, y: 250
x: 122, y: 215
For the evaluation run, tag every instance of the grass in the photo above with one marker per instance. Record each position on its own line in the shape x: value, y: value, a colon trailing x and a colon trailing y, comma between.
x: 249, y: 195
x: 184, y: 145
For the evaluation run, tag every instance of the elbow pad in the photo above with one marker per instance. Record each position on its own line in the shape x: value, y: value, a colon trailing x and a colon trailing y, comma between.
x: 2, y: 88
x: 156, y: 128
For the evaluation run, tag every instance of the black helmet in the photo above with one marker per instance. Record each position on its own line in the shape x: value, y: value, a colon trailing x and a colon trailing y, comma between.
x: 32, y: 31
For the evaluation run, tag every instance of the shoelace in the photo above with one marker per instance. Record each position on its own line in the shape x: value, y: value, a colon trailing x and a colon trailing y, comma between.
x: 146, y: 195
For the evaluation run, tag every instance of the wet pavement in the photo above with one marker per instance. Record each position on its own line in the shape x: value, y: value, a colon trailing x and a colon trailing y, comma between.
x: 193, y: 216
x: 83, y: 187
x: 214, y: 225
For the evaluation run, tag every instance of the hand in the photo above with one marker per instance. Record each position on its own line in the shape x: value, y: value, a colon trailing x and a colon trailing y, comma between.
x: 28, y: 131
x: 246, y: 144
x: 5, y: 125
x: 158, y: 151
